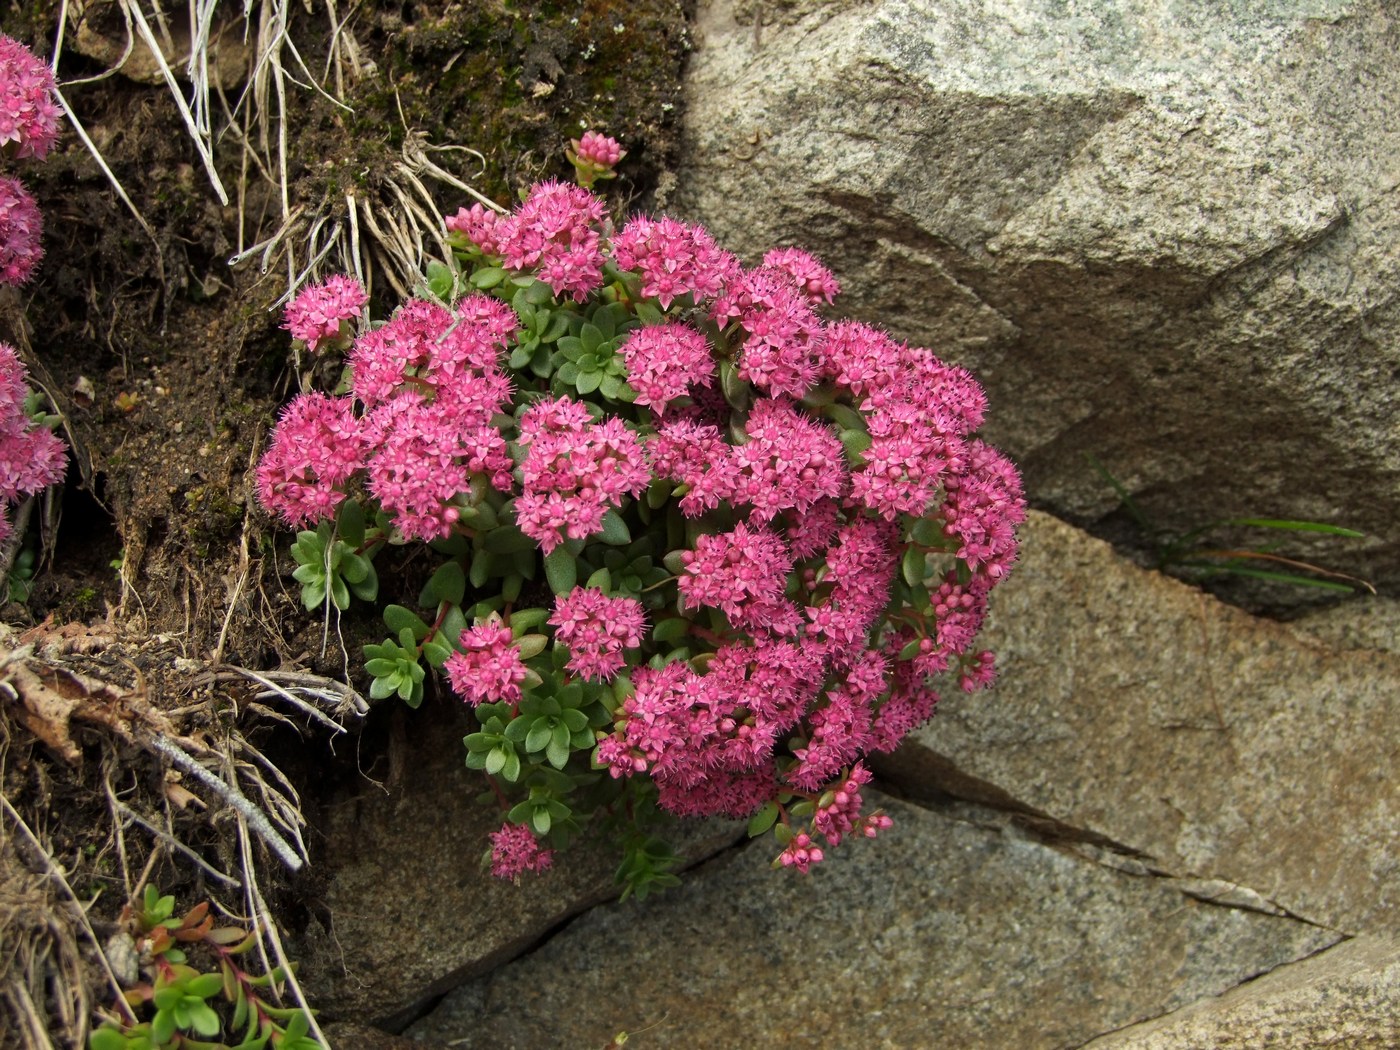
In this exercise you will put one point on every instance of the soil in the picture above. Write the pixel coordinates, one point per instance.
(169, 366)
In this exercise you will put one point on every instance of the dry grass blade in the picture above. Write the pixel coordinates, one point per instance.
(200, 136)
(63, 975)
(265, 923)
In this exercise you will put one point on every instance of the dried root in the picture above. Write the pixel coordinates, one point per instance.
(71, 695)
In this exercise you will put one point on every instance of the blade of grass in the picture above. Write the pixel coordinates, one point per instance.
(1279, 559)
(1129, 504)
(1265, 574)
(1295, 526)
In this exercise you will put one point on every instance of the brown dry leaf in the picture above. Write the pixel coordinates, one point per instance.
(43, 711)
(47, 700)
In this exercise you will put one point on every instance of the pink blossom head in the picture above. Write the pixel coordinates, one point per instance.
(28, 113)
(315, 448)
(554, 232)
(31, 461)
(489, 668)
(320, 314)
(13, 390)
(674, 259)
(515, 851)
(664, 361)
(21, 229)
(594, 155)
(813, 279)
(597, 630)
(477, 225)
(31, 457)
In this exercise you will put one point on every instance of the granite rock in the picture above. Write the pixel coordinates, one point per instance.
(408, 911)
(1214, 745)
(953, 929)
(1165, 235)
(1347, 996)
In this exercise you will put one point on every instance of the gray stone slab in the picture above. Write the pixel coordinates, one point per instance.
(408, 911)
(1347, 996)
(1219, 745)
(945, 932)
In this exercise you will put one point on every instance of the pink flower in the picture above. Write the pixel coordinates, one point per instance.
(810, 531)
(664, 360)
(840, 733)
(784, 349)
(488, 669)
(555, 232)
(695, 455)
(29, 115)
(739, 572)
(425, 454)
(841, 814)
(977, 671)
(319, 312)
(813, 279)
(31, 457)
(597, 629)
(910, 704)
(801, 853)
(477, 225)
(515, 851)
(789, 462)
(984, 507)
(598, 150)
(315, 448)
(918, 412)
(860, 358)
(21, 229)
(674, 259)
(574, 472)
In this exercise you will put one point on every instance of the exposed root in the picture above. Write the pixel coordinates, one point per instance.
(73, 691)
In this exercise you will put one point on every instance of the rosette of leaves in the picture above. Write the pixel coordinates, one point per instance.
(193, 1009)
(588, 360)
(334, 561)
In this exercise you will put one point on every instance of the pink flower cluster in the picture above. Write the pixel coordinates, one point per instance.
(31, 457)
(428, 384)
(21, 231)
(319, 314)
(28, 128)
(575, 471)
(597, 630)
(796, 479)
(28, 113)
(665, 360)
(515, 851)
(598, 149)
(554, 233)
(674, 260)
(488, 668)
(594, 155)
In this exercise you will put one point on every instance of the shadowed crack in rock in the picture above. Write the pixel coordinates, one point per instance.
(943, 788)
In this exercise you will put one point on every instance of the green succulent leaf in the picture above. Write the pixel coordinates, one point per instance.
(561, 570)
(764, 819)
(448, 584)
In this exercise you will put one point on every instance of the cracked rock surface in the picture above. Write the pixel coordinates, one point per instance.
(1218, 745)
(955, 930)
(1348, 996)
